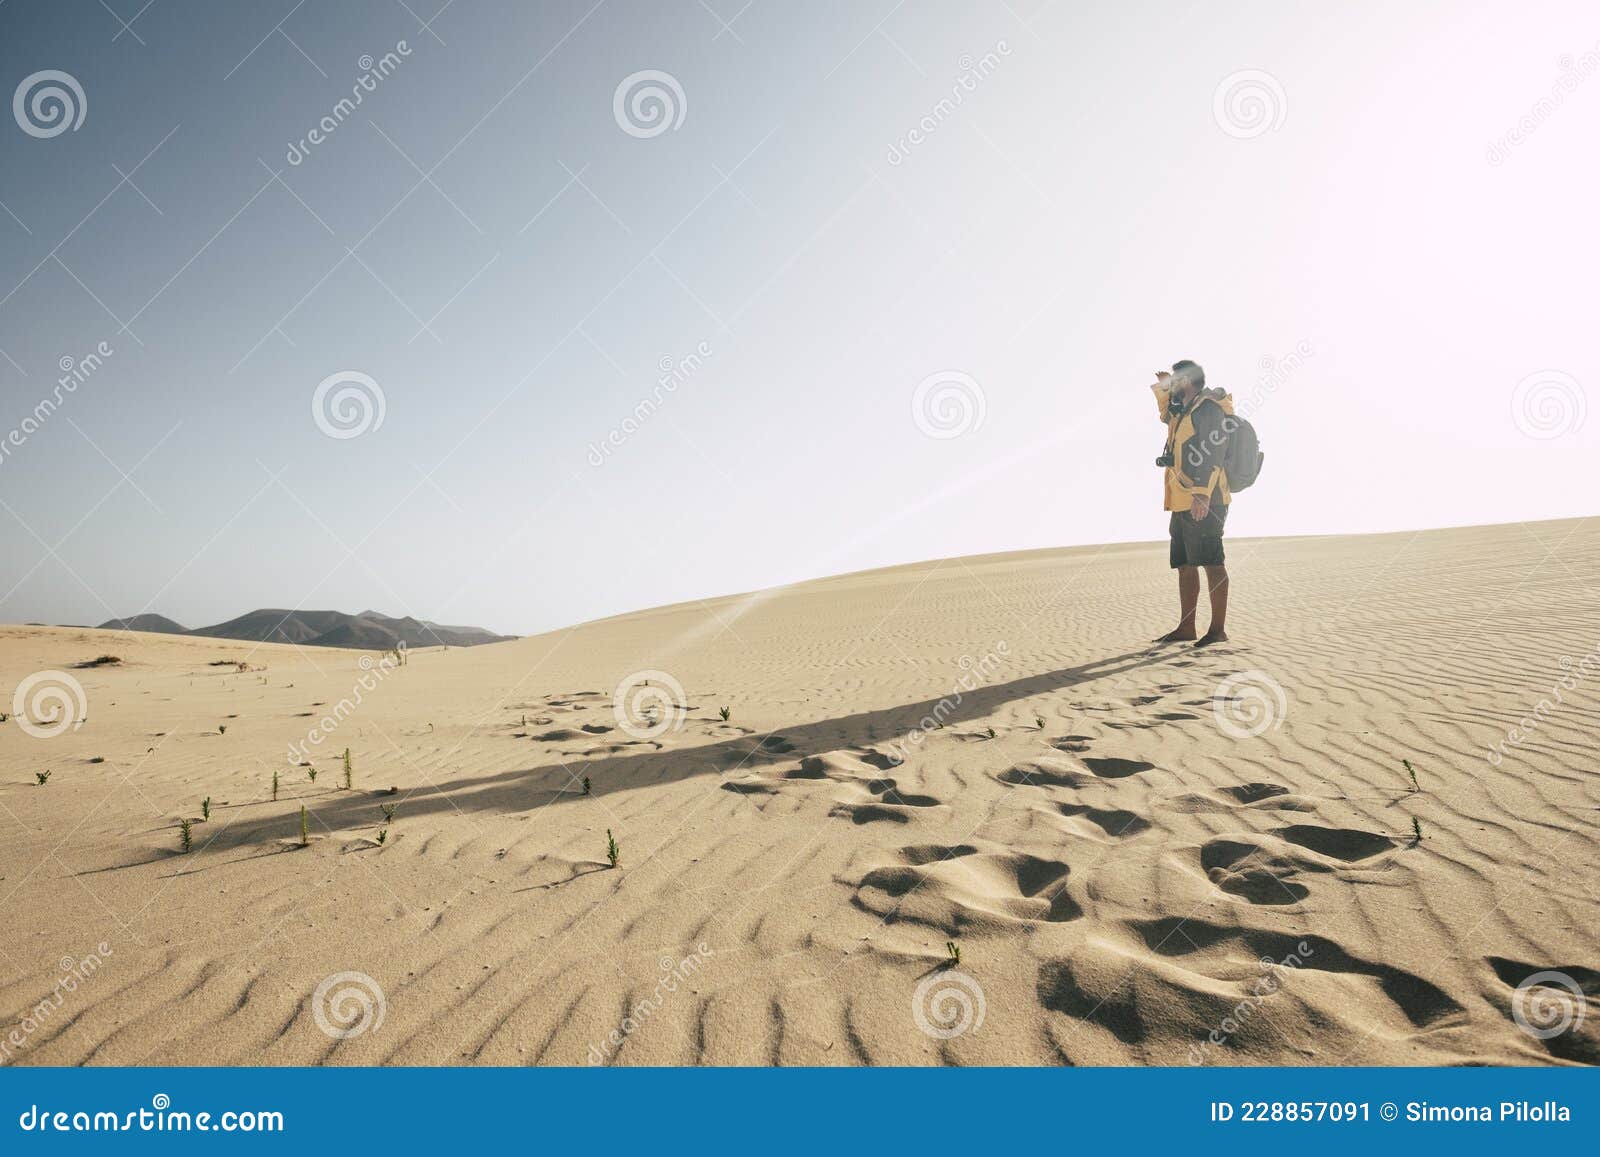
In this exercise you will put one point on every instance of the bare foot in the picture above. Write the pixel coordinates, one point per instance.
(1212, 636)
(1177, 635)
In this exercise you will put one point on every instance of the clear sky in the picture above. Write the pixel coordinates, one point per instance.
(1376, 220)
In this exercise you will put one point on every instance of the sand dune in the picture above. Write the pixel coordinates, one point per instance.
(1144, 856)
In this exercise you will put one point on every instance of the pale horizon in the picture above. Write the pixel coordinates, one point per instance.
(886, 285)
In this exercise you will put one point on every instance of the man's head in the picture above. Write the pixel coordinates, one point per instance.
(1188, 379)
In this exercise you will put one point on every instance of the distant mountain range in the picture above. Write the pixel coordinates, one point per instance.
(368, 631)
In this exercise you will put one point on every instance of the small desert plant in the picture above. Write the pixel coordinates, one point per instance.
(587, 787)
(347, 777)
(613, 853)
(205, 808)
(725, 712)
(953, 951)
(1038, 721)
(383, 834)
(97, 759)
(1416, 830)
(347, 766)
(305, 827)
(222, 729)
(991, 733)
(274, 787)
(312, 773)
(186, 835)
(41, 777)
(388, 812)
(1412, 772)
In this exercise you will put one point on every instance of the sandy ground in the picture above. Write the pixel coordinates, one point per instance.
(1144, 855)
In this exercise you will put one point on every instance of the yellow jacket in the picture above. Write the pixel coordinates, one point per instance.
(1197, 467)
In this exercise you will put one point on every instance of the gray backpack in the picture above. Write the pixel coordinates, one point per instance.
(1242, 456)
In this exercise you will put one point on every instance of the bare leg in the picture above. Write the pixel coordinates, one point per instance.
(1217, 580)
(1188, 598)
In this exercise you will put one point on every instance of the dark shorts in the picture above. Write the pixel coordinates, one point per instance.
(1198, 543)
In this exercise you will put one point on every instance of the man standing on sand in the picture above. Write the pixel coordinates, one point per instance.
(1196, 488)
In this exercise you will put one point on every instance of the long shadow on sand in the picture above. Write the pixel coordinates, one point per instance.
(557, 782)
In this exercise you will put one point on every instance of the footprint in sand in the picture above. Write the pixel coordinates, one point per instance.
(892, 804)
(1248, 793)
(891, 793)
(1115, 767)
(958, 886)
(1557, 1006)
(1116, 822)
(749, 787)
(1347, 844)
(1190, 964)
(1248, 870)
(1044, 773)
(1071, 743)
